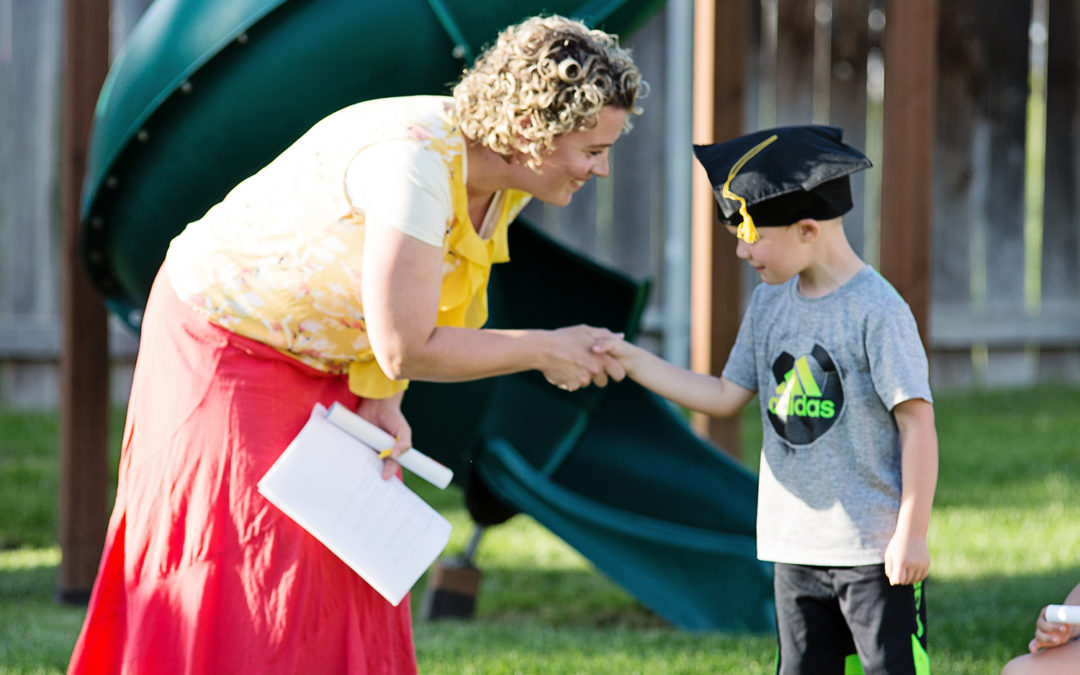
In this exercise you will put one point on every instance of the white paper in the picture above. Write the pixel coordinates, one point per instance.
(331, 484)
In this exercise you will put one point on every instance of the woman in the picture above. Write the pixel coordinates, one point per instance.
(356, 260)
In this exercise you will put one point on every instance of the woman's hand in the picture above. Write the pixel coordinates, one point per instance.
(570, 363)
(386, 414)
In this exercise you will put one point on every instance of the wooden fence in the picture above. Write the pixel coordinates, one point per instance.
(1005, 248)
(31, 39)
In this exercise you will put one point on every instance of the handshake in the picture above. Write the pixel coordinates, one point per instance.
(577, 356)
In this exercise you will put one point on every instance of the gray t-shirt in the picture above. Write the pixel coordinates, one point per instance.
(828, 372)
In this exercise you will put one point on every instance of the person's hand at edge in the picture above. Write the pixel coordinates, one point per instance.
(1049, 634)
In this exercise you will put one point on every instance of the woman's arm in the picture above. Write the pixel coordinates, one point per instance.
(401, 287)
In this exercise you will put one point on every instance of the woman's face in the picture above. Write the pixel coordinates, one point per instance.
(577, 156)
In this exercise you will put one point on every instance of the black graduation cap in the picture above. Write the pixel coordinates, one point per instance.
(776, 177)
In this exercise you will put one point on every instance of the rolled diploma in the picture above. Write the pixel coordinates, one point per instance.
(1063, 614)
(412, 459)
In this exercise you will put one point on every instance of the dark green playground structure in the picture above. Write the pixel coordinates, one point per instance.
(205, 92)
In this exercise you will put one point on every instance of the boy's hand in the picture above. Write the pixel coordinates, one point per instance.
(619, 349)
(907, 559)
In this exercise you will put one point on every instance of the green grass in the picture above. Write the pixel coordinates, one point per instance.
(1005, 540)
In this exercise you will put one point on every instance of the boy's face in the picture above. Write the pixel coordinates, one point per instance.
(777, 255)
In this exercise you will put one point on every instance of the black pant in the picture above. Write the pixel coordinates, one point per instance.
(826, 615)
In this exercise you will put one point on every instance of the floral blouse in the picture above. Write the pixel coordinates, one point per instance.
(279, 259)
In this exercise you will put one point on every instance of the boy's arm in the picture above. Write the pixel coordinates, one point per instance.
(907, 557)
(714, 396)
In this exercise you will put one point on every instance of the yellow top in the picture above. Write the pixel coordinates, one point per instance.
(279, 259)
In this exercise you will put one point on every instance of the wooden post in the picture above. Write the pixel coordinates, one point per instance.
(795, 62)
(84, 356)
(907, 171)
(720, 45)
(848, 99)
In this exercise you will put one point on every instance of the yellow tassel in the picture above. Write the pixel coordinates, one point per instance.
(746, 230)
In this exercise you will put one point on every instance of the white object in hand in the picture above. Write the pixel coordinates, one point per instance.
(412, 459)
(1063, 614)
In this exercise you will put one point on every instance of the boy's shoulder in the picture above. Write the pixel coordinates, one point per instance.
(870, 286)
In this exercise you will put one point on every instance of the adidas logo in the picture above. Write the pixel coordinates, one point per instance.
(800, 396)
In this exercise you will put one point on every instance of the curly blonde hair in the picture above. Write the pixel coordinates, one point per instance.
(544, 77)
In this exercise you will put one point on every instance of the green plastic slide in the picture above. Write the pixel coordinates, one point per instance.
(205, 92)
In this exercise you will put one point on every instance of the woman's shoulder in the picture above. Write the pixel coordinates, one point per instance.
(424, 119)
(399, 107)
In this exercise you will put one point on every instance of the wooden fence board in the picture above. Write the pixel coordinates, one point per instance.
(1060, 277)
(794, 62)
(1008, 327)
(84, 363)
(1004, 98)
(1004, 108)
(30, 79)
(848, 99)
(29, 144)
(720, 38)
(637, 192)
(1059, 365)
(956, 184)
(908, 151)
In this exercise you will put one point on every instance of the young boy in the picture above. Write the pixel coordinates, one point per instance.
(849, 456)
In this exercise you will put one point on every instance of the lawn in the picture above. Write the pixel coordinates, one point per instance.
(1005, 540)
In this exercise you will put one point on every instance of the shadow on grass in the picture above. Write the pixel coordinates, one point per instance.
(20, 580)
(486, 646)
(36, 631)
(560, 597)
(992, 616)
(975, 625)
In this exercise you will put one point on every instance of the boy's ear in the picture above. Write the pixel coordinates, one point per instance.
(808, 229)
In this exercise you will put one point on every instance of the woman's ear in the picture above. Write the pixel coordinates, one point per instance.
(518, 155)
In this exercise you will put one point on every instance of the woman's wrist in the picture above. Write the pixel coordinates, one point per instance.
(536, 345)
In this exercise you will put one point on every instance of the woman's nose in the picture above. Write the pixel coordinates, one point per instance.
(600, 166)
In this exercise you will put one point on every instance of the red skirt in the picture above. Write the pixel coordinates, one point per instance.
(200, 574)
